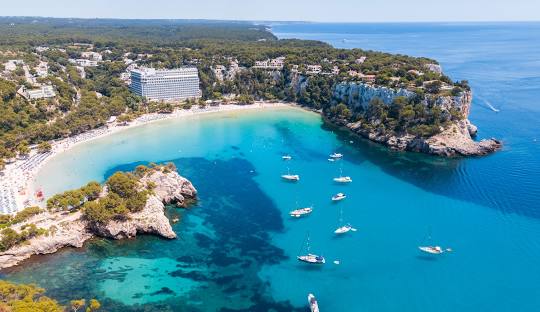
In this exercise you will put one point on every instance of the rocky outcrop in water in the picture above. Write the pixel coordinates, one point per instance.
(454, 140)
(71, 230)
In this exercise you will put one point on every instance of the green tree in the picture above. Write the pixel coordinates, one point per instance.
(44, 147)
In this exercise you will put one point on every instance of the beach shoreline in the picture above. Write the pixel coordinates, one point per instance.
(19, 176)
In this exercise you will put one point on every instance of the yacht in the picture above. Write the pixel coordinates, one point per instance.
(309, 257)
(338, 197)
(290, 177)
(434, 250)
(301, 212)
(342, 179)
(344, 229)
(312, 259)
(286, 157)
(313, 305)
(336, 155)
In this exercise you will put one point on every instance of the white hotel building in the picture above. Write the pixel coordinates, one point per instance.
(168, 84)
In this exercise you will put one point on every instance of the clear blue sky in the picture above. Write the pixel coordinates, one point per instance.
(283, 10)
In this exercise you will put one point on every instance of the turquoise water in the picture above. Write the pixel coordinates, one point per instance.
(237, 246)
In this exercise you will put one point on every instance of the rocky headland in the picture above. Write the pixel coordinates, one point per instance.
(72, 229)
(455, 138)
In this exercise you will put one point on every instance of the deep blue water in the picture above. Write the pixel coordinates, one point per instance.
(502, 63)
(237, 245)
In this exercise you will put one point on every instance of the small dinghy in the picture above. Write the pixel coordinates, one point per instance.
(338, 197)
(434, 250)
(313, 305)
(286, 157)
(336, 155)
(301, 212)
(331, 159)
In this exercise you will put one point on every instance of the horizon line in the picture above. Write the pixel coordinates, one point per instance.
(273, 21)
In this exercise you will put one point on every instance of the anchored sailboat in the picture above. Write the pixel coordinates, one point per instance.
(309, 257)
(343, 228)
(433, 249)
(290, 177)
(341, 178)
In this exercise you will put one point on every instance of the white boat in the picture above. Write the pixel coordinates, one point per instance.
(286, 157)
(343, 228)
(313, 305)
(309, 257)
(342, 179)
(291, 177)
(301, 212)
(338, 197)
(336, 155)
(434, 250)
(312, 259)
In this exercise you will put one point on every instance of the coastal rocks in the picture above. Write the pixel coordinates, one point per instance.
(453, 141)
(456, 140)
(171, 188)
(67, 229)
(150, 220)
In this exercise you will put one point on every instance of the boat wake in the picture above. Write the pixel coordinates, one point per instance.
(488, 104)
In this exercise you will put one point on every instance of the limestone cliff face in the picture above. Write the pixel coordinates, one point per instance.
(71, 230)
(455, 140)
(357, 95)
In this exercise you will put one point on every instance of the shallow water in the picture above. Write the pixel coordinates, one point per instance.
(237, 246)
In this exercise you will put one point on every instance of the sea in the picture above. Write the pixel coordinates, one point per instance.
(237, 245)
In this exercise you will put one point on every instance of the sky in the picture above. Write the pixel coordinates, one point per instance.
(283, 10)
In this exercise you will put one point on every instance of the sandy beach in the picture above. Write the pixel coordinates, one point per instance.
(16, 185)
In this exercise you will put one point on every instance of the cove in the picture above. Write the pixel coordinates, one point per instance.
(237, 246)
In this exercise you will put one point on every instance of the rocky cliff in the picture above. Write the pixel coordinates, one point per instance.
(454, 140)
(357, 95)
(71, 230)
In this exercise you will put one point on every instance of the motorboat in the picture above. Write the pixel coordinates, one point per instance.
(313, 305)
(434, 250)
(297, 213)
(286, 157)
(312, 259)
(336, 155)
(338, 197)
(342, 179)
